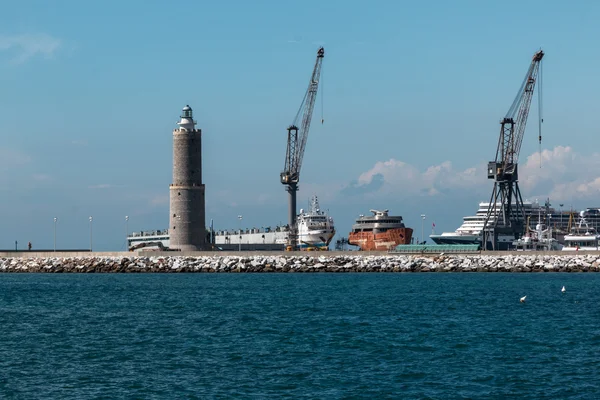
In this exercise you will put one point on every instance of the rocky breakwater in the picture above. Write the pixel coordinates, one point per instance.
(309, 263)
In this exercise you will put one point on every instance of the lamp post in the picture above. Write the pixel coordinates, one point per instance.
(91, 219)
(240, 244)
(127, 231)
(55, 219)
(422, 227)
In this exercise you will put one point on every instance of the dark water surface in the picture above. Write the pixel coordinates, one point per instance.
(300, 336)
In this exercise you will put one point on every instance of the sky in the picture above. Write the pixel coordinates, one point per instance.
(411, 96)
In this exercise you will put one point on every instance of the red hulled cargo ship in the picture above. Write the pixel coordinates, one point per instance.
(379, 232)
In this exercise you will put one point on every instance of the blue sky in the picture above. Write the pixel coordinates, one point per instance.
(413, 92)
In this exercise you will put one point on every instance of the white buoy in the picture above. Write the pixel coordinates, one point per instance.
(522, 300)
(563, 289)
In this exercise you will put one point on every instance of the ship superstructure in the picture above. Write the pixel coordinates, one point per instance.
(379, 231)
(158, 240)
(315, 228)
(253, 239)
(582, 236)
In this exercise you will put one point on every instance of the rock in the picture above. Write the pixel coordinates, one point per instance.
(308, 263)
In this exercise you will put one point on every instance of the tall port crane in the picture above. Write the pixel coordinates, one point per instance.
(296, 142)
(506, 203)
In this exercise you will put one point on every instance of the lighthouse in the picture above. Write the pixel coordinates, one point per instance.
(187, 231)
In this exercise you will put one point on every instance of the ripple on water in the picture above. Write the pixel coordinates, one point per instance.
(299, 336)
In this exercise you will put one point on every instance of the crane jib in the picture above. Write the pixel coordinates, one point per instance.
(509, 144)
(297, 137)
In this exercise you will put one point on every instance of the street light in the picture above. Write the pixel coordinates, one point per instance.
(55, 219)
(127, 231)
(240, 244)
(422, 227)
(91, 219)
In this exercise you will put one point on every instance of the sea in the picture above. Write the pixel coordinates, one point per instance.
(297, 336)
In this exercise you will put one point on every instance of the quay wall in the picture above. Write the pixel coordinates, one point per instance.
(236, 262)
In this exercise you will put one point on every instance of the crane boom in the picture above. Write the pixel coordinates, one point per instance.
(297, 137)
(296, 142)
(506, 214)
(509, 144)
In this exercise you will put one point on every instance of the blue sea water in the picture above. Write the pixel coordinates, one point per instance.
(325, 336)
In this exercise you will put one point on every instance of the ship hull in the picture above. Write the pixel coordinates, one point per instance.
(318, 239)
(455, 239)
(369, 241)
(504, 242)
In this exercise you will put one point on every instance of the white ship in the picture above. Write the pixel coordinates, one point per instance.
(315, 228)
(315, 232)
(539, 239)
(582, 236)
(470, 232)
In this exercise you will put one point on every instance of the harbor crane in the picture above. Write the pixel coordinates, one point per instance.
(506, 214)
(296, 143)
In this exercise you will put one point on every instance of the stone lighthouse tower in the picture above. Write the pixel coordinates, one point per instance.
(187, 229)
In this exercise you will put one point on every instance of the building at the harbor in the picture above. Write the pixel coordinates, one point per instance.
(187, 217)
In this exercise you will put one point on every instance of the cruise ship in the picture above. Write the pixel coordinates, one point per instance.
(470, 231)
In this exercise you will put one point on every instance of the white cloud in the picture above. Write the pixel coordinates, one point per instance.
(397, 177)
(26, 46)
(564, 176)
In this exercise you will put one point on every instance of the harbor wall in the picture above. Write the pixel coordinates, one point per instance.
(141, 253)
(87, 253)
(299, 262)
